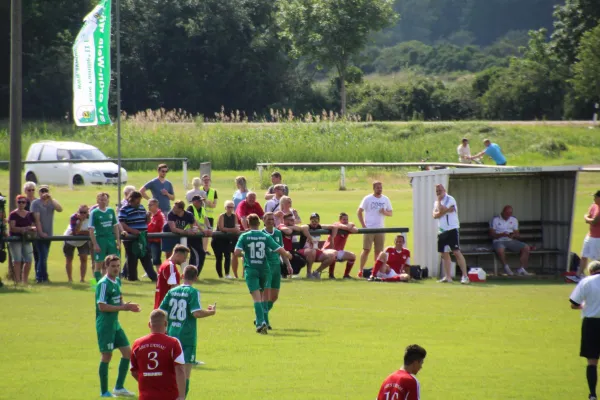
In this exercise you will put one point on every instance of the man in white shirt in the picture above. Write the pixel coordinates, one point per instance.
(375, 208)
(504, 229)
(273, 204)
(586, 297)
(446, 212)
(464, 152)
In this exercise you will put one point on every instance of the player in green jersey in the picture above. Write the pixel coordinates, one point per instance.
(110, 334)
(271, 293)
(182, 304)
(255, 244)
(104, 233)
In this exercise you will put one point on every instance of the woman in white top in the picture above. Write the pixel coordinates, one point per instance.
(196, 191)
(285, 207)
(242, 191)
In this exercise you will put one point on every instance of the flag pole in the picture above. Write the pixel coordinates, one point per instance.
(118, 39)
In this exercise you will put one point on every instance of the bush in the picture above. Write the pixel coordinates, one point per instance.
(550, 148)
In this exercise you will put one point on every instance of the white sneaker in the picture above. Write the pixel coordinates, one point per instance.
(123, 393)
(508, 270)
(521, 271)
(229, 277)
(199, 362)
(144, 276)
(465, 280)
(445, 280)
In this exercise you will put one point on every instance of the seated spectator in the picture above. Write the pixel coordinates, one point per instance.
(311, 251)
(504, 229)
(285, 207)
(273, 204)
(242, 191)
(393, 264)
(247, 207)
(275, 180)
(78, 226)
(288, 228)
(21, 222)
(196, 191)
(223, 246)
(338, 243)
(157, 221)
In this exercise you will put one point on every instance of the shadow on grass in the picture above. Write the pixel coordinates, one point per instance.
(11, 289)
(300, 333)
(213, 281)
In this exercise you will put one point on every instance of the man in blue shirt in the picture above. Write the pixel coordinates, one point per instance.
(161, 188)
(493, 151)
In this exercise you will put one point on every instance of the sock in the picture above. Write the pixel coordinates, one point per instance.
(260, 314)
(376, 268)
(270, 305)
(592, 377)
(266, 311)
(349, 266)
(332, 269)
(97, 275)
(187, 387)
(123, 370)
(103, 372)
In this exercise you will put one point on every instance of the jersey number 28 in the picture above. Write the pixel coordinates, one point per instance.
(178, 309)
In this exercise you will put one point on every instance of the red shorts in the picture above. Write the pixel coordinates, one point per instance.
(318, 254)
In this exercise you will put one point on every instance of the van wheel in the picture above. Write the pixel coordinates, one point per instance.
(77, 180)
(30, 177)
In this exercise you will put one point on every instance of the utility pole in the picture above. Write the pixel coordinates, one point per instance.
(16, 99)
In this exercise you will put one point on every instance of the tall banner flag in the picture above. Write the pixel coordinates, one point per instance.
(91, 68)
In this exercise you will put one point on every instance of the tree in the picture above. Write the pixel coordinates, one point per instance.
(571, 21)
(330, 32)
(586, 78)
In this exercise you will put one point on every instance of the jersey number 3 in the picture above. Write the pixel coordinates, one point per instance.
(178, 309)
(152, 361)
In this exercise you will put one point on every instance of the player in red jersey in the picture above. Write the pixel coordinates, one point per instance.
(393, 264)
(403, 384)
(168, 274)
(157, 362)
(338, 243)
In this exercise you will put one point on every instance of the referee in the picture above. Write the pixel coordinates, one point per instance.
(586, 297)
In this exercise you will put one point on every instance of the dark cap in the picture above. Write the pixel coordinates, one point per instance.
(197, 197)
(314, 215)
(597, 194)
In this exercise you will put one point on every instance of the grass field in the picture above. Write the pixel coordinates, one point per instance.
(331, 340)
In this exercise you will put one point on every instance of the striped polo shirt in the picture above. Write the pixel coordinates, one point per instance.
(134, 217)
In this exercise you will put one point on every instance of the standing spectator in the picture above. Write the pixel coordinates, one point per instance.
(43, 212)
(196, 191)
(133, 220)
(586, 297)
(157, 221)
(162, 190)
(276, 180)
(403, 384)
(446, 212)
(242, 191)
(183, 223)
(127, 190)
(591, 243)
(210, 202)
(223, 246)
(78, 226)
(104, 234)
(197, 244)
(273, 204)
(338, 243)
(247, 207)
(493, 151)
(21, 223)
(464, 152)
(285, 208)
(29, 191)
(371, 213)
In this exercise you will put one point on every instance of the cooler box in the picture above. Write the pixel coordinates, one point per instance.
(477, 275)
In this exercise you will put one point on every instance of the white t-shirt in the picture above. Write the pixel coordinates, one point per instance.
(372, 205)
(463, 152)
(587, 293)
(500, 225)
(272, 205)
(450, 220)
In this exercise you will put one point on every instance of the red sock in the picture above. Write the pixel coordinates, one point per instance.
(378, 265)
(349, 266)
(332, 268)
(394, 279)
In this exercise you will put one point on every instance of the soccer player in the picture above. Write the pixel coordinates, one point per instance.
(157, 362)
(403, 384)
(255, 244)
(338, 243)
(271, 293)
(168, 274)
(591, 243)
(104, 233)
(182, 305)
(110, 334)
(393, 264)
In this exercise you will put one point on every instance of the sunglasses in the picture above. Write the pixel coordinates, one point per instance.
(21, 202)
(44, 191)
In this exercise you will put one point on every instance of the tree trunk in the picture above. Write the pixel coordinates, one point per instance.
(343, 92)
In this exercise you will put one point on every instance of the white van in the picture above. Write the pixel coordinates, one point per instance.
(60, 173)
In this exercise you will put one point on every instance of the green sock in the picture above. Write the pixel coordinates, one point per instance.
(123, 369)
(187, 387)
(260, 315)
(265, 305)
(97, 275)
(103, 371)
(270, 305)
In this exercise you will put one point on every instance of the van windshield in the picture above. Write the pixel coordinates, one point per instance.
(93, 154)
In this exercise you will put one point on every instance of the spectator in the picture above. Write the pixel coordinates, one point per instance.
(104, 234)
(285, 208)
(157, 221)
(464, 152)
(493, 151)
(127, 190)
(288, 228)
(210, 202)
(196, 191)
(196, 244)
(133, 220)
(183, 223)
(223, 246)
(393, 264)
(43, 212)
(247, 207)
(242, 191)
(29, 191)
(78, 226)
(21, 223)
(276, 180)
(591, 243)
(375, 208)
(162, 190)
(505, 231)
(338, 243)
(311, 251)
(273, 204)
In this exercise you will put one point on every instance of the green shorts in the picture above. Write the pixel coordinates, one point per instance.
(257, 279)
(189, 354)
(275, 281)
(107, 247)
(111, 339)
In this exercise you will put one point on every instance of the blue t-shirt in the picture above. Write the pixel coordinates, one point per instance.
(493, 150)
(155, 186)
(238, 197)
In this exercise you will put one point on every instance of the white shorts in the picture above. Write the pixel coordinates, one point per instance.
(390, 274)
(340, 255)
(591, 248)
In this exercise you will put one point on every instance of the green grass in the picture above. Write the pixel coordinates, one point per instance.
(332, 340)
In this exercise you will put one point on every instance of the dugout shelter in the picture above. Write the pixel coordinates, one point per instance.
(543, 200)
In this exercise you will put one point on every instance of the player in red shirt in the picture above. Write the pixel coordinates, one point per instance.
(393, 264)
(338, 243)
(168, 274)
(403, 384)
(157, 362)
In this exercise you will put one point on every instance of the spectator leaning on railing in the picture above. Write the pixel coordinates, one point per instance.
(21, 223)
(43, 212)
(247, 207)
(157, 221)
(224, 246)
(210, 202)
(78, 226)
(196, 244)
